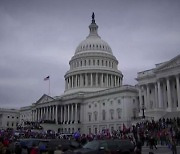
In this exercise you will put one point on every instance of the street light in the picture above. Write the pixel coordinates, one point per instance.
(143, 108)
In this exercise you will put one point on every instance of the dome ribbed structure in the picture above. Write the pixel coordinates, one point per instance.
(93, 42)
(93, 66)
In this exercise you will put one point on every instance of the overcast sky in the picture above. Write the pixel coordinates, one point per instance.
(39, 37)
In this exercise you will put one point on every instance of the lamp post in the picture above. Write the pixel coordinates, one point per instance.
(143, 108)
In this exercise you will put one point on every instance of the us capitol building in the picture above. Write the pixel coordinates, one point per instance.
(95, 98)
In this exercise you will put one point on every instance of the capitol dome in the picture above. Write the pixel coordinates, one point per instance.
(93, 66)
(93, 42)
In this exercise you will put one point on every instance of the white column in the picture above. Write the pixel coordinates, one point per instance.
(115, 81)
(32, 114)
(61, 113)
(118, 81)
(68, 113)
(72, 114)
(53, 112)
(159, 95)
(72, 81)
(148, 97)
(76, 113)
(107, 80)
(140, 99)
(86, 79)
(81, 80)
(102, 84)
(39, 114)
(64, 113)
(91, 80)
(67, 83)
(56, 107)
(76, 81)
(169, 94)
(145, 97)
(96, 79)
(178, 90)
(156, 95)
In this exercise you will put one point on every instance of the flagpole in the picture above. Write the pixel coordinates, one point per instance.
(49, 87)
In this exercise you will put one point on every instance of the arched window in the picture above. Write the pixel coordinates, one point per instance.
(97, 62)
(89, 116)
(112, 114)
(95, 116)
(119, 113)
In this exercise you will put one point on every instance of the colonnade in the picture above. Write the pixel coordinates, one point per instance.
(63, 114)
(93, 79)
(162, 94)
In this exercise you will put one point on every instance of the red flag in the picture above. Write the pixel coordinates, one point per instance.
(47, 78)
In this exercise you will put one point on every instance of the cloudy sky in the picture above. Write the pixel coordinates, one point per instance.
(39, 37)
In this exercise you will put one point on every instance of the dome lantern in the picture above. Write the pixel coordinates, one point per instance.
(93, 27)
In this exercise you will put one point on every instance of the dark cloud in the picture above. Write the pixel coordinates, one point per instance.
(38, 38)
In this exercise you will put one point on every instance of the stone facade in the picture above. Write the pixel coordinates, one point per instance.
(9, 118)
(159, 89)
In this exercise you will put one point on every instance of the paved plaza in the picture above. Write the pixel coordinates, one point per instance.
(159, 150)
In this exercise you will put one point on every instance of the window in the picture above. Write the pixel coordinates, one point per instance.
(89, 130)
(93, 62)
(134, 112)
(95, 130)
(89, 62)
(89, 115)
(7, 124)
(119, 101)
(119, 112)
(112, 114)
(97, 62)
(103, 115)
(89, 106)
(95, 116)
(8, 116)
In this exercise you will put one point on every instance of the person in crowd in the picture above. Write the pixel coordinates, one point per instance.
(34, 149)
(152, 142)
(2, 147)
(173, 146)
(138, 147)
(59, 150)
(18, 149)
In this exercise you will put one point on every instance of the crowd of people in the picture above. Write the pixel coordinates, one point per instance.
(164, 132)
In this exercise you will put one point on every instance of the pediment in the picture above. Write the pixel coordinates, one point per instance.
(169, 64)
(44, 98)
